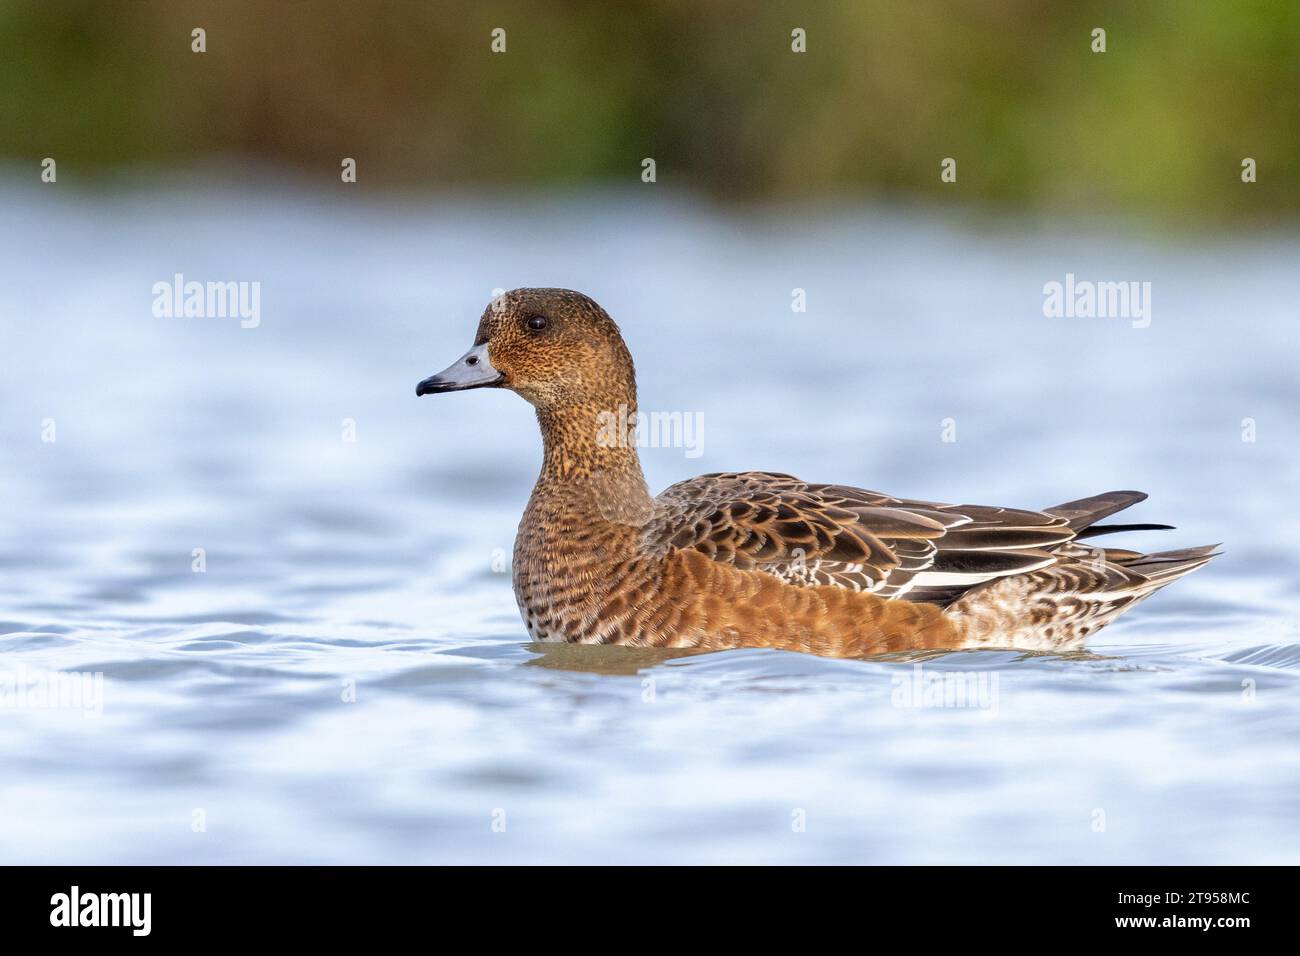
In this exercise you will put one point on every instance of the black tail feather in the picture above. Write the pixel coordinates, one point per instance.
(1093, 531)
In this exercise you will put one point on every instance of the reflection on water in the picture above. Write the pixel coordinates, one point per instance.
(343, 677)
(588, 659)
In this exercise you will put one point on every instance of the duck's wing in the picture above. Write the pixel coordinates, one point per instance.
(816, 534)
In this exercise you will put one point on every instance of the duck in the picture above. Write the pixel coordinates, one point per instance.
(765, 559)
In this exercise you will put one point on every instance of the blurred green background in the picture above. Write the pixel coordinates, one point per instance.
(1155, 128)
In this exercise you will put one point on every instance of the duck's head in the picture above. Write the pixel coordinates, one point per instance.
(554, 347)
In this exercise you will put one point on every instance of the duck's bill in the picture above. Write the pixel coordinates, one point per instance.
(471, 370)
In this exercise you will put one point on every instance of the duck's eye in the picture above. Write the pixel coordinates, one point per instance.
(537, 323)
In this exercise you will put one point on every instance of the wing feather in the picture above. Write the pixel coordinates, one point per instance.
(825, 534)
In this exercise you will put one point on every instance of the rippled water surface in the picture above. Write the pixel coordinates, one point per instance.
(348, 682)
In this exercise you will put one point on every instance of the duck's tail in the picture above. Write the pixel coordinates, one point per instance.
(1057, 607)
(1163, 567)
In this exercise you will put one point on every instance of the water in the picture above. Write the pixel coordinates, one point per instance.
(377, 569)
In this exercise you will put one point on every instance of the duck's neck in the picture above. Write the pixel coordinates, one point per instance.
(590, 452)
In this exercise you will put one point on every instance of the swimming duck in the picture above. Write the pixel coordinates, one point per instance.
(759, 559)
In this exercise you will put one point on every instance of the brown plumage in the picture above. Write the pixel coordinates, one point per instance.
(765, 560)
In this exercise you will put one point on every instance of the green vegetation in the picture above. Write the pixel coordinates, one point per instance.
(1157, 126)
